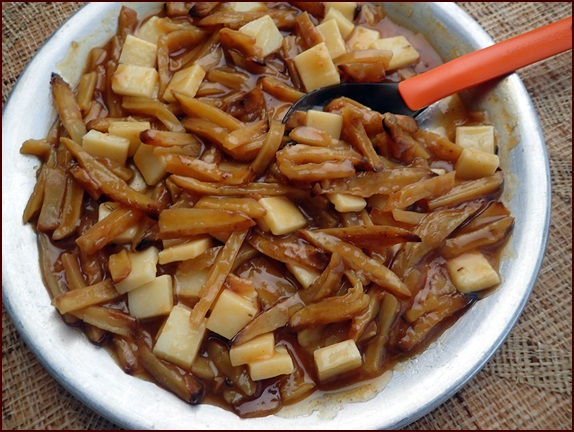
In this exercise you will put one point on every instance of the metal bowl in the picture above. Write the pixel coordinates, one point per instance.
(398, 398)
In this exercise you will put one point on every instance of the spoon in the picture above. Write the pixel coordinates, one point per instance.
(413, 95)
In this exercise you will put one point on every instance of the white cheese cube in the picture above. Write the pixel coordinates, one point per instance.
(346, 8)
(305, 276)
(404, 53)
(476, 137)
(143, 270)
(316, 68)
(104, 209)
(179, 340)
(151, 166)
(282, 215)
(153, 29)
(472, 272)
(246, 6)
(130, 130)
(346, 26)
(138, 52)
(185, 251)
(258, 348)
(474, 164)
(337, 359)
(329, 122)
(230, 314)
(189, 283)
(152, 299)
(333, 38)
(362, 38)
(280, 363)
(267, 35)
(104, 145)
(345, 203)
(186, 81)
(131, 80)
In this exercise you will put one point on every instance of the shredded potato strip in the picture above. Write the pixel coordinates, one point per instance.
(425, 189)
(433, 229)
(252, 189)
(217, 275)
(332, 309)
(109, 319)
(181, 222)
(375, 353)
(110, 184)
(289, 249)
(106, 230)
(81, 298)
(358, 261)
(197, 108)
(367, 183)
(184, 385)
(71, 209)
(154, 108)
(68, 109)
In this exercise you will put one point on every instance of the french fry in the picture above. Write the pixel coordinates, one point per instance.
(372, 237)
(332, 309)
(238, 375)
(186, 386)
(192, 167)
(243, 136)
(34, 204)
(190, 222)
(489, 234)
(217, 275)
(68, 109)
(313, 172)
(40, 148)
(266, 154)
(375, 353)
(280, 90)
(109, 319)
(248, 206)
(271, 319)
(71, 209)
(251, 189)
(357, 260)
(106, 230)
(367, 183)
(54, 188)
(306, 30)
(80, 298)
(154, 108)
(288, 249)
(355, 133)
(109, 184)
(425, 189)
(468, 190)
(171, 139)
(196, 108)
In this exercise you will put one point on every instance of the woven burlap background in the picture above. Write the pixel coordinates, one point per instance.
(526, 385)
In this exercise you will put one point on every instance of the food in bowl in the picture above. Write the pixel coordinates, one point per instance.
(240, 260)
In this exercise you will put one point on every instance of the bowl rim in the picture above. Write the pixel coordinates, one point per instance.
(48, 329)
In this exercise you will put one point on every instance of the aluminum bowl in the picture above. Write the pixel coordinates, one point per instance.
(400, 397)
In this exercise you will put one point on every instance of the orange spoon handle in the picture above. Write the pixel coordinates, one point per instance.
(486, 64)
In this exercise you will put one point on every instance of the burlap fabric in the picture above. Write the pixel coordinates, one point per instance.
(526, 385)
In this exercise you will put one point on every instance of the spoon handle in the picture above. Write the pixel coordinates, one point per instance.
(487, 63)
